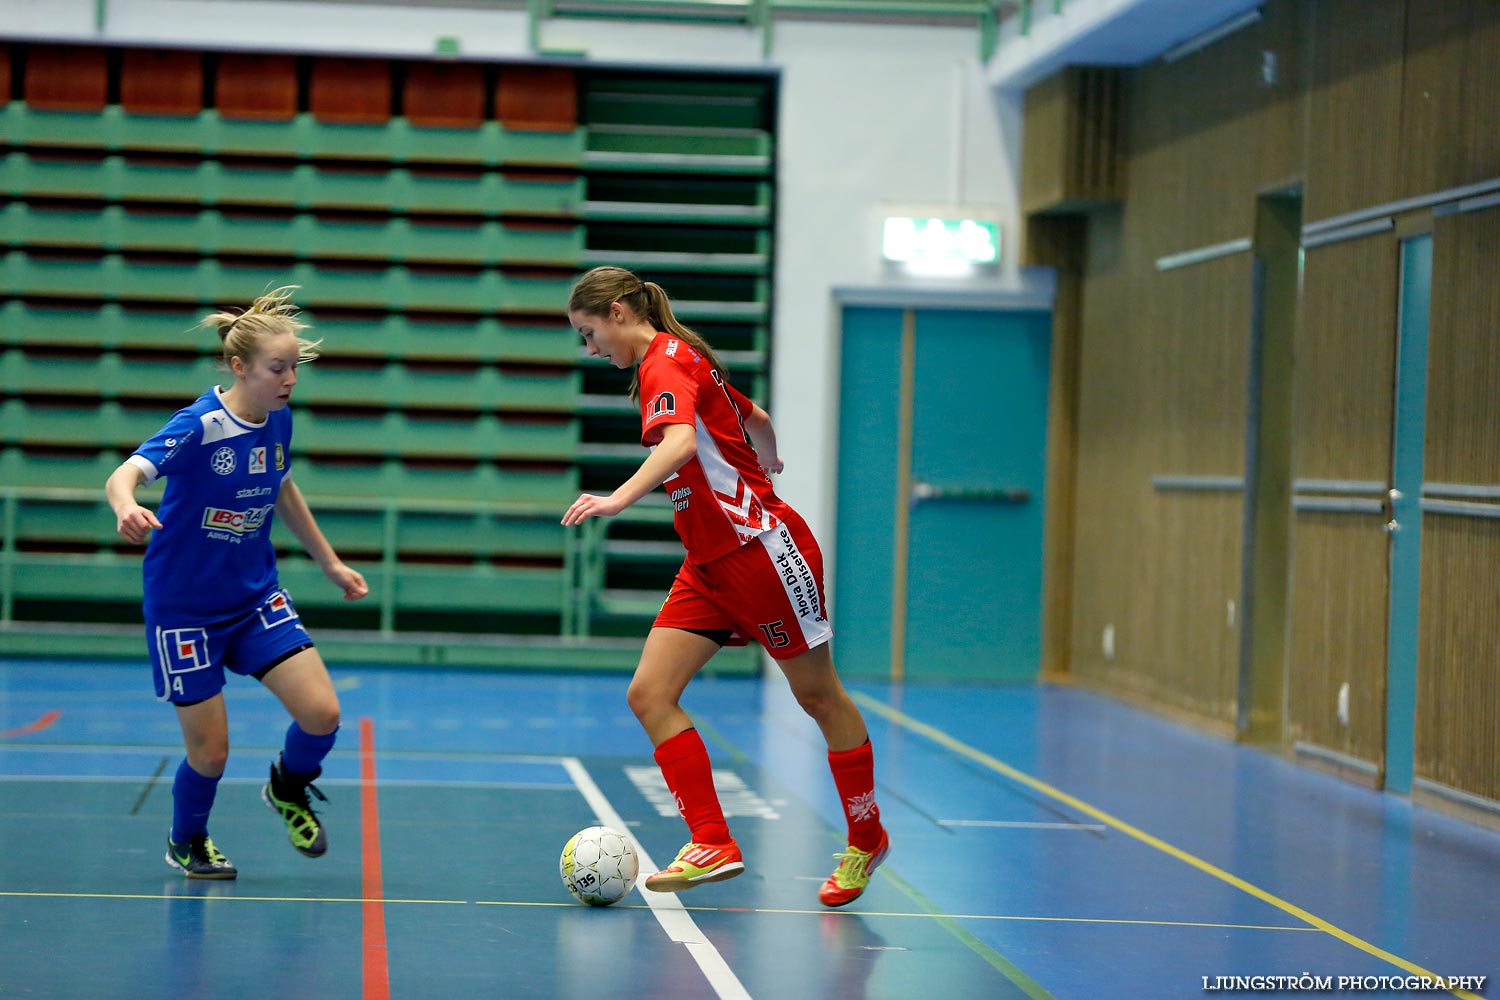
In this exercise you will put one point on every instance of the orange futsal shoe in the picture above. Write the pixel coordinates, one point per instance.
(853, 873)
(696, 864)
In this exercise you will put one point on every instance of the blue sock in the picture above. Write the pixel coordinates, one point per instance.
(304, 752)
(192, 800)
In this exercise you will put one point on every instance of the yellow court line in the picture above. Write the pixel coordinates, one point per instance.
(1000, 767)
(1017, 917)
(642, 906)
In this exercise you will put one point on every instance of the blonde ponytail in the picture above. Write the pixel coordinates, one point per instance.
(270, 315)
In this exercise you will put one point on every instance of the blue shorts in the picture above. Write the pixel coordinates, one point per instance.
(188, 662)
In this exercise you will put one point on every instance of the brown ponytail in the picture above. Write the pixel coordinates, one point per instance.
(601, 286)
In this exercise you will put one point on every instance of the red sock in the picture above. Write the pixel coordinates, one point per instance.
(683, 760)
(854, 774)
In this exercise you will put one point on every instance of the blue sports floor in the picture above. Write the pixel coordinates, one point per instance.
(1047, 842)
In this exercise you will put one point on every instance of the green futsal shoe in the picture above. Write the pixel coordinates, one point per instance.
(286, 794)
(199, 858)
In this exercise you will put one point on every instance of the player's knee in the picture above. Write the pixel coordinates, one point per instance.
(822, 705)
(209, 758)
(321, 719)
(645, 700)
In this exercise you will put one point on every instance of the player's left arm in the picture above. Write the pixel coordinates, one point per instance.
(292, 508)
(762, 435)
(679, 443)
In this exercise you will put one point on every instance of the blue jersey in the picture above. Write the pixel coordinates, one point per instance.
(212, 558)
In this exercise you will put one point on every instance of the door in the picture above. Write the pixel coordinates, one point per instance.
(1405, 524)
(942, 460)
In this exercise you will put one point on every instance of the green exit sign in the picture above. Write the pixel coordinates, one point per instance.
(941, 241)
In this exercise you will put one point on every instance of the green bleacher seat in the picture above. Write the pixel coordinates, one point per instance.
(41, 467)
(304, 137)
(457, 481)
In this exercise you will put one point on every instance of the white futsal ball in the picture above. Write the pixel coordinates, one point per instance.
(598, 866)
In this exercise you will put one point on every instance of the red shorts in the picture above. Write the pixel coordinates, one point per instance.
(769, 590)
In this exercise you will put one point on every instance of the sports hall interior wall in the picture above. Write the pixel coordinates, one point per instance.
(435, 214)
(1321, 111)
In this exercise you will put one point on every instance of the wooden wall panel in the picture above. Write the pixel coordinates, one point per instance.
(1451, 83)
(1071, 159)
(161, 83)
(1342, 413)
(537, 98)
(1048, 116)
(256, 86)
(444, 95)
(1354, 105)
(1463, 353)
(1458, 682)
(67, 78)
(1345, 367)
(4, 75)
(1458, 677)
(350, 91)
(1338, 613)
(1162, 392)
(1208, 132)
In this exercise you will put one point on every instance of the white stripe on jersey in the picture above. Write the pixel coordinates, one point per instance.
(800, 585)
(734, 495)
(218, 425)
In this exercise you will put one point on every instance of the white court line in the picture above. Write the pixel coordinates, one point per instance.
(668, 909)
(1020, 825)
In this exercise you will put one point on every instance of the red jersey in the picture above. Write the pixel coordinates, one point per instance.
(722, 498)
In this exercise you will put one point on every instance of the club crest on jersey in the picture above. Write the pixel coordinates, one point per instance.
(223, 461)
(280, 458)
(258, 460)
(663, 404)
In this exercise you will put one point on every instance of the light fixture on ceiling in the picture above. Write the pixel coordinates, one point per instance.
(1210, 36)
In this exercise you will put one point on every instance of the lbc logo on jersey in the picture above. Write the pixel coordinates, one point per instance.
(257, 461)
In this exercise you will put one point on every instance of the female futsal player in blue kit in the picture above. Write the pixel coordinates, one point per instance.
(212, 599)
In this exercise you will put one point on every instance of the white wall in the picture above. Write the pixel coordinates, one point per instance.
(873, 117)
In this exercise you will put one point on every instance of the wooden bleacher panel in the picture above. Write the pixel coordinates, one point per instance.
(256, 86)
(161, 82)
(444, 95)
(67, 78)
(350, 91)
(537, 98)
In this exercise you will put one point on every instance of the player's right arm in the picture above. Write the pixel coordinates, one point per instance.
(132, 521)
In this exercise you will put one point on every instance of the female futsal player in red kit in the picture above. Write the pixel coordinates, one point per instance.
(753, 571)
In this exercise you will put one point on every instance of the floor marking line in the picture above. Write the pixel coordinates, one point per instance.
(1014, 917)
(32, 727)
(212, 896)
(377, 977)
(999, 766)
(959, 933)
(161, 766)
(666, 907)
(643, 906)
(1018, 824)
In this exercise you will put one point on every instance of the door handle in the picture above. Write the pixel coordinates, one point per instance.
(923, 492)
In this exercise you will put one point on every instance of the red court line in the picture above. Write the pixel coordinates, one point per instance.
(376, 970)
(34, 727)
